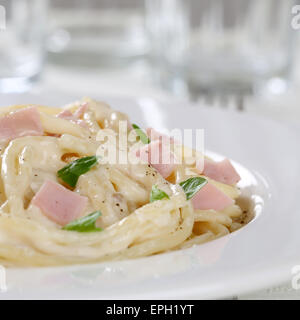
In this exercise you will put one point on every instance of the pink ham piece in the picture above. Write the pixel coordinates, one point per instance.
(210, 197)
(222, 171)
(81, 110)
(25, 122)
(160, 157)
(66, 114)
(75, 118)
(58, 203)
(156, 135)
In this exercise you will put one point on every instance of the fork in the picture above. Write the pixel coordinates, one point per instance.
(230, 102)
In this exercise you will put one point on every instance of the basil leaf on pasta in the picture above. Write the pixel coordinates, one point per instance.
(71, 173)
(157, 194)
(192, 185)
(144, 138)
(84, 224)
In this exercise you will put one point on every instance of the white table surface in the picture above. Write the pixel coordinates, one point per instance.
(136, 81)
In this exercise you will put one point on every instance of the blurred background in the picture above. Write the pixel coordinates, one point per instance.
(236, 54)
(229, 54)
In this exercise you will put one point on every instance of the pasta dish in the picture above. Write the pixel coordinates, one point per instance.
(62, 202)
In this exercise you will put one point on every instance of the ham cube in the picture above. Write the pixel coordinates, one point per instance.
(58, 203)
(156, 135)
(210, 197)
(75, 118)
(66, 114)
(222, 171)
(159, 156)
(81, 110)
(25, 122)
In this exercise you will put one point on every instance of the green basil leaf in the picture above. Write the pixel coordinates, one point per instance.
(84, 224)
(144, 138)
(71, 173)
(192, 185)
(157, 194)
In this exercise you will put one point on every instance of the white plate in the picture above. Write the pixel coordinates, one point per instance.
(259, 255)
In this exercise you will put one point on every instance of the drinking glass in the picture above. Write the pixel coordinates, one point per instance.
(236, 46)
(97, 32)
(22, 52)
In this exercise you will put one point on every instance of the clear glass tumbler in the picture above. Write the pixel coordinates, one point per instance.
(22, 36)
(94, 33)
(236, 46)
